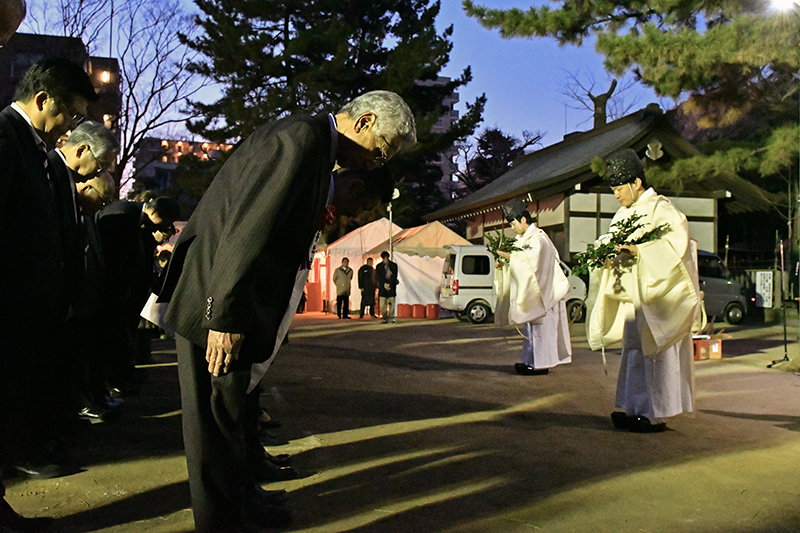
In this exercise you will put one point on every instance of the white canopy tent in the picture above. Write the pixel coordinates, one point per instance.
(353, 246)
(419, 253)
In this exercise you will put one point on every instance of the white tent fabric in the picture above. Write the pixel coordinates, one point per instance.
(419, 253)
(353, 246)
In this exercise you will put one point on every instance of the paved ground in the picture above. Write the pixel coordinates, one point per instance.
(422, 426)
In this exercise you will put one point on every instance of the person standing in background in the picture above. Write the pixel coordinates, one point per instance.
(367, 283)
(342, 278)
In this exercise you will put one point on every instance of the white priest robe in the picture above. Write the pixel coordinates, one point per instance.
(531, 290)
(650, 306)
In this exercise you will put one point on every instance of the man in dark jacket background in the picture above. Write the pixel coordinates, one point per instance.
(386, 274)
(367, 283)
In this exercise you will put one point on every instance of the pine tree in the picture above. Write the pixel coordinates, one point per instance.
(734, 64)
(275, 57)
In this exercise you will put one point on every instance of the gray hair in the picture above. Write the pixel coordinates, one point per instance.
(393, 117)
(97, 137)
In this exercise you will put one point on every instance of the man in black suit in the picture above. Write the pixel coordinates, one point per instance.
(129, 234)
(49, 100)
(386, 275)
(233, 275)
(85, 156)
(367, 283)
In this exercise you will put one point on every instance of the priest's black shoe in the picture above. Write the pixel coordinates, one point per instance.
(12, 522)
(528, 370)
(621, 419)
(640, 424)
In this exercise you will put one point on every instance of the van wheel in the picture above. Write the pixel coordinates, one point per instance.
(734, 313)
(459, 315)
(477, 313)
(576, 311)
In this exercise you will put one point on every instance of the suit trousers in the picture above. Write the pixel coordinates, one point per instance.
(343, 305)
(387, 306)
(214, 416)
(368, 300)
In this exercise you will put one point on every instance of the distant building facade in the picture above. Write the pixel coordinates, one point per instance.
(445, 161)
(157, 159)
(25, 49)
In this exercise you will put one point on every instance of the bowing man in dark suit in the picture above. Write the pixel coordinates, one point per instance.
(50, 99)
(129, 234)
(233, 273)
(87, 153)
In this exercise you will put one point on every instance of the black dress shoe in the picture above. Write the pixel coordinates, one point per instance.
(45, 471)
(266, 471)
(271, 423)
(283, 459)
(620, 419)
(97, 414)
(272, 497)
(640, 424)
(528, 370)
(268, 439)
(12, 522)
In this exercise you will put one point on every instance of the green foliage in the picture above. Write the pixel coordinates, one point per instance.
(276, 57)
(715, 49)
(621, 233)
(500, 243)
(737, 63)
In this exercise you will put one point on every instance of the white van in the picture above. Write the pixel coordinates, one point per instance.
(467, 285)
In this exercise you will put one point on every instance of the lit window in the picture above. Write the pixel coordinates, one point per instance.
(105, 76)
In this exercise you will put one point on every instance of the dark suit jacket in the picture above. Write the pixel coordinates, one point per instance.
(366, 278)
(128, 251)
(71, 226)
(234, 265)
(380, 276)
(32, 271)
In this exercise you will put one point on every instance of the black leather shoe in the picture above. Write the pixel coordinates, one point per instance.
(12, 522)
(640, 424)
(45, 471)
(272, 497)
(528, 370)
(267, 471)
(620, 419)
(98, 414)
(283, 459)
(268, 439)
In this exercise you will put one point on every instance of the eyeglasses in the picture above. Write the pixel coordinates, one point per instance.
(101, 166)
(166, 229)
(77, 117)
(104, 200)
(383, 148)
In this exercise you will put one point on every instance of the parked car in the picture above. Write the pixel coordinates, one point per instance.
(467, 285)
(723, 296)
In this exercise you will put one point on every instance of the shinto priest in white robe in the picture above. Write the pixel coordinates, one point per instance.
(531, 291)
(650, 306)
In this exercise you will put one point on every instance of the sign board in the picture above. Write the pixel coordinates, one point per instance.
(764, 289)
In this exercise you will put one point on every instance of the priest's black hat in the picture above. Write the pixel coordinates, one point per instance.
(513, 209)
(624, 167)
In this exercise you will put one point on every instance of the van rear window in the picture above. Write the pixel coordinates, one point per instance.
(475, 264)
